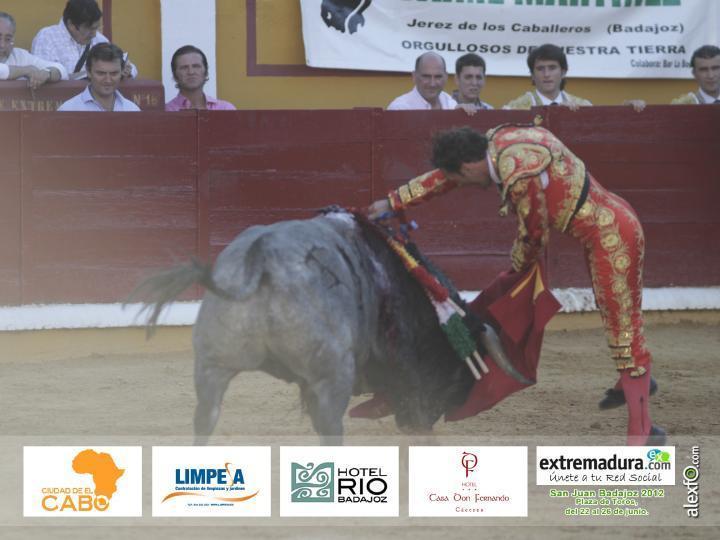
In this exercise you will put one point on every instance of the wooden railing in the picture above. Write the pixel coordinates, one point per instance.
(92, 203)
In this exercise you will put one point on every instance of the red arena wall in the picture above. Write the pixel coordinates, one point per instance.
(92, 203)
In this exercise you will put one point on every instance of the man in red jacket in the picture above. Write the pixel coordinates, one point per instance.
(546, 185)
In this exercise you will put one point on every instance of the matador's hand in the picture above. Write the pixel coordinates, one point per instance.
(378, 209)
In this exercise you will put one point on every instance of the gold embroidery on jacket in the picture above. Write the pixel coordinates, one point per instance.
(507, 166)
(604, 217)
(405, 195)
(585, 210)
(521, 160)
(417, 190)
(524, 249)
(574, 179)
(523, 208)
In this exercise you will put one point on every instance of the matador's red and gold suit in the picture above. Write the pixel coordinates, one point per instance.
(546, 185)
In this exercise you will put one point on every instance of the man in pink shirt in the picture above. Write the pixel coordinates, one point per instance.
(190, 71)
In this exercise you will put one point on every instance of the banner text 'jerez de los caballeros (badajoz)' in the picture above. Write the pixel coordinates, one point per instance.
(601, 38)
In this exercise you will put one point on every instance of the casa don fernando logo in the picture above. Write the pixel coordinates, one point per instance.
(469, 461)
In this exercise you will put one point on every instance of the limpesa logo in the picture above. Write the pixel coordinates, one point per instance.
(225, 484)
(232, 481)
(327, 483)
(82, 498)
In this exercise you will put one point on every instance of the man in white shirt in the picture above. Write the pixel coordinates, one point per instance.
(104, 68)
(69, 42)
(705, 63)
(430, 76)
(17, 63)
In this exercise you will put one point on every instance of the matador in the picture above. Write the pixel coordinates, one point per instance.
(546, 185)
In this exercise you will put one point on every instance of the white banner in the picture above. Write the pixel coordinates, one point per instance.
(602, 38)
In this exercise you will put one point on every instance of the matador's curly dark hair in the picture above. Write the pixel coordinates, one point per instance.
(454, 147)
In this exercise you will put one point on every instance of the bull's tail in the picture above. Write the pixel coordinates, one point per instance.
(157, 291)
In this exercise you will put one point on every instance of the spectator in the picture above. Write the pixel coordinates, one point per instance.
(17, 63)
(470, 79)
(104, 68)
(69, 42)
(548, 67)
(190, 70)
(430, 76)
(705, 63)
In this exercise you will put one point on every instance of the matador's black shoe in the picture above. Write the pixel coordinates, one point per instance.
(615, 398)
(657, 437)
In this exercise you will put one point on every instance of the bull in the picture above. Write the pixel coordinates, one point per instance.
(324, 303)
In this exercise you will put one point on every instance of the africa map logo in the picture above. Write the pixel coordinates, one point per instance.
(105, 475)
(77, 481)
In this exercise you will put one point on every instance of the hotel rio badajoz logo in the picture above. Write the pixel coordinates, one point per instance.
(82, 481)
(339, 481)
(211, 481)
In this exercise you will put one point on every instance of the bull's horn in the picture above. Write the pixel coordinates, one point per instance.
(491, 341)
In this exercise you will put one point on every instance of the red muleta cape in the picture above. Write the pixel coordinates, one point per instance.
(519, 305)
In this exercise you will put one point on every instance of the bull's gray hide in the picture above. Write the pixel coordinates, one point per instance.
(325, 303)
